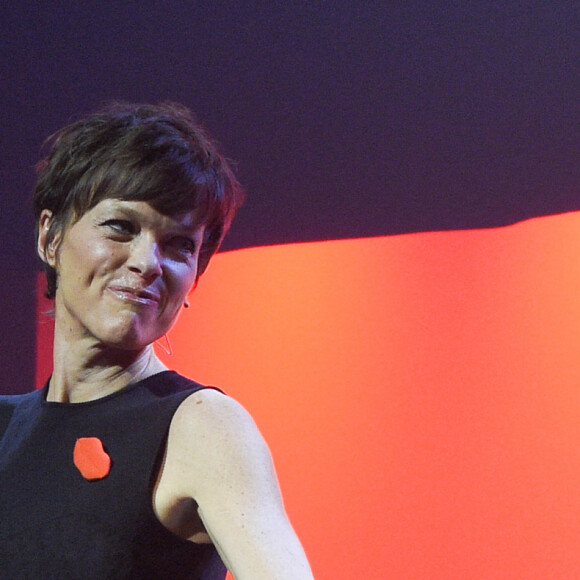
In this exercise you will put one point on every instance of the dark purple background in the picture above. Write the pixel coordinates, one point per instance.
(346, 118)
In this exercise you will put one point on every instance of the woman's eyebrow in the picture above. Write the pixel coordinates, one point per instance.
(127, 211)
(118, 209)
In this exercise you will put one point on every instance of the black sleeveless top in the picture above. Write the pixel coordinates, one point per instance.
(57, 524)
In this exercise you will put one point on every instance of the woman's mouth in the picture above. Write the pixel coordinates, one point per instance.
(131, 295)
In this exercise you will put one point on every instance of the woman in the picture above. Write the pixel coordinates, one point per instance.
(120, 468)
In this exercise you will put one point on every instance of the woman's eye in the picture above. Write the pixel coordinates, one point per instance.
(184, 246)
(123, 227)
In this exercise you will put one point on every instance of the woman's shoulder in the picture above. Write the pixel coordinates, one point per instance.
(213, 429)
(13, 401)
(168, 383)
(209, 409)
(26, 401)
(9, 404)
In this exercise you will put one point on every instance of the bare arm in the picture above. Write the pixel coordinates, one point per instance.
(226, 467)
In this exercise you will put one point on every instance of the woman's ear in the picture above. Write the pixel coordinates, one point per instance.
(47, 254)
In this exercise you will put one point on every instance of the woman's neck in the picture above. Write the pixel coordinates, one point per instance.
(86, 372)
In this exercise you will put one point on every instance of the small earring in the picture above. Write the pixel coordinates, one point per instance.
(186, 304)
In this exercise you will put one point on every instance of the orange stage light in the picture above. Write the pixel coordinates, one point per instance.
(419, 393)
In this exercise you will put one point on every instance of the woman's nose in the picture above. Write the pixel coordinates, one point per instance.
(145, 258)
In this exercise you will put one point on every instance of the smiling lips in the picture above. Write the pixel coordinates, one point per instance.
(134, 295)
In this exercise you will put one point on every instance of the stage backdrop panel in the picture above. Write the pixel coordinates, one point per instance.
(420, 394)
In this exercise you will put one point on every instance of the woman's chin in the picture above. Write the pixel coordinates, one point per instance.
(128, 339)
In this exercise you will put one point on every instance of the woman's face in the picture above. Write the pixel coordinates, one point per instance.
(124, 271)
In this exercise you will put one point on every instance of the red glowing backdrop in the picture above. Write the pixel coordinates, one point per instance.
(420, 394)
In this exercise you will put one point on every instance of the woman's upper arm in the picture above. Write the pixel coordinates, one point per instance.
(227, 469)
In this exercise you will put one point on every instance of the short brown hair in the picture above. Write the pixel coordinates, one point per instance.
(153, 153)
